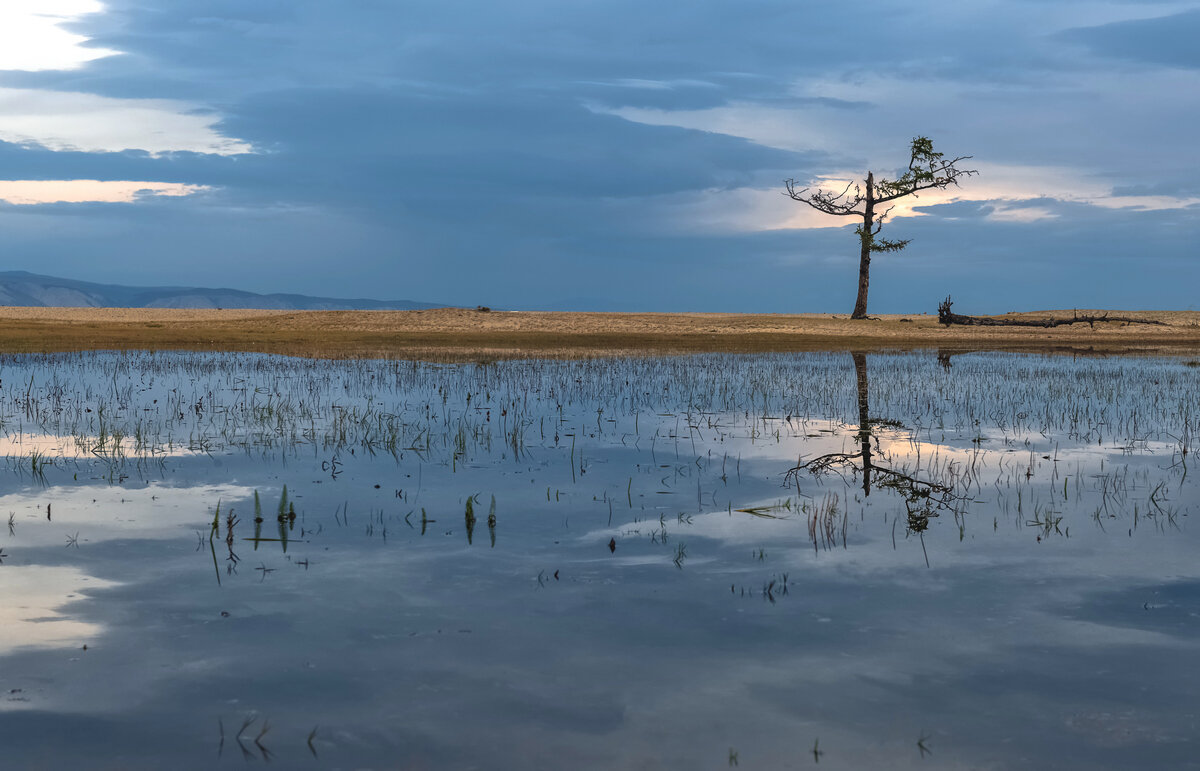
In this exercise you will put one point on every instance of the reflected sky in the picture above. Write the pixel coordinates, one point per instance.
(51, 446)
(33, 617)
(653, 591)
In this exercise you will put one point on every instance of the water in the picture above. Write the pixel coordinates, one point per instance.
(1014, 583)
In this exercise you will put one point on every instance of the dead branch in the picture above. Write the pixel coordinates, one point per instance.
(906, 485)
(922, 499)
(827, 202)
(948, 317)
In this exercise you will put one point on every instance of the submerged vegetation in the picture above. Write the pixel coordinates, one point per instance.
(138, 408)
(936, 435)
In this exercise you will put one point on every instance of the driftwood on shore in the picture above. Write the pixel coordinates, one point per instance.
(948, 317)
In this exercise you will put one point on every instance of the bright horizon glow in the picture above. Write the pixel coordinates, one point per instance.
(1011, 192)
(1001, 186)
(32, 38)
(28, 192)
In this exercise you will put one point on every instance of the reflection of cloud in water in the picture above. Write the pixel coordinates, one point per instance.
(107, 513)
(736, 529)
(31, 608)
(902, 447)
(795, 437)
(54, 446)
(31, 615)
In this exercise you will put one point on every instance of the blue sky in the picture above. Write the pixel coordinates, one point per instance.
(602, 154)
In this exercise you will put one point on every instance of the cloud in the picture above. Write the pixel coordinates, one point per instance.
(33, 37)
(61, 120)
(1168, 40)
(1020, 212)
(473, 152)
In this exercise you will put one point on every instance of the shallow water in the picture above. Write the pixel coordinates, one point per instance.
(1014, 584)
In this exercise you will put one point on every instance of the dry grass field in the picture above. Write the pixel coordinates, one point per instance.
(453, 334)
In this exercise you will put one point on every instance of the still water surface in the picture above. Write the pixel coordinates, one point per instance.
(995, 564)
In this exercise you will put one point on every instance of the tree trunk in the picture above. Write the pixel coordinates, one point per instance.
(864, 259)
(864, 417)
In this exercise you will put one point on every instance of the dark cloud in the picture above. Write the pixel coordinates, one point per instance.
(1167, 40)
(1182, 184)
(32, 162)
(958, 209)
(709, 53)
(397, 145)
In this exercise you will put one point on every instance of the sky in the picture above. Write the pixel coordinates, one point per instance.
(603, 154)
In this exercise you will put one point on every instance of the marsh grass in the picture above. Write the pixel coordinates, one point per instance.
(451, 414)
(990, 426)
(470, 519)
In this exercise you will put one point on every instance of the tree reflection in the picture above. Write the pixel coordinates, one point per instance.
(922, 498)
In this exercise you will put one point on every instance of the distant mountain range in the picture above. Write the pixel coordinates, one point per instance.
(29, 289)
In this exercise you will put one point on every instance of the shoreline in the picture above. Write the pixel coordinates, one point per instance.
(457, 334)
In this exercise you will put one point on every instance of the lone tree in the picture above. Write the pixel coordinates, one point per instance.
(927, 170)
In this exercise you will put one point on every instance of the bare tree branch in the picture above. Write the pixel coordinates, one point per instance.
(825, 201)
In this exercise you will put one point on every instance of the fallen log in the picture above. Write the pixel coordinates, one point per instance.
(948, 317)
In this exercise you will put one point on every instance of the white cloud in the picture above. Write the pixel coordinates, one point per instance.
(32, 37)
(60, 120)
(1021, 214)
(35, 191)
(740, 210)
(647, 84)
